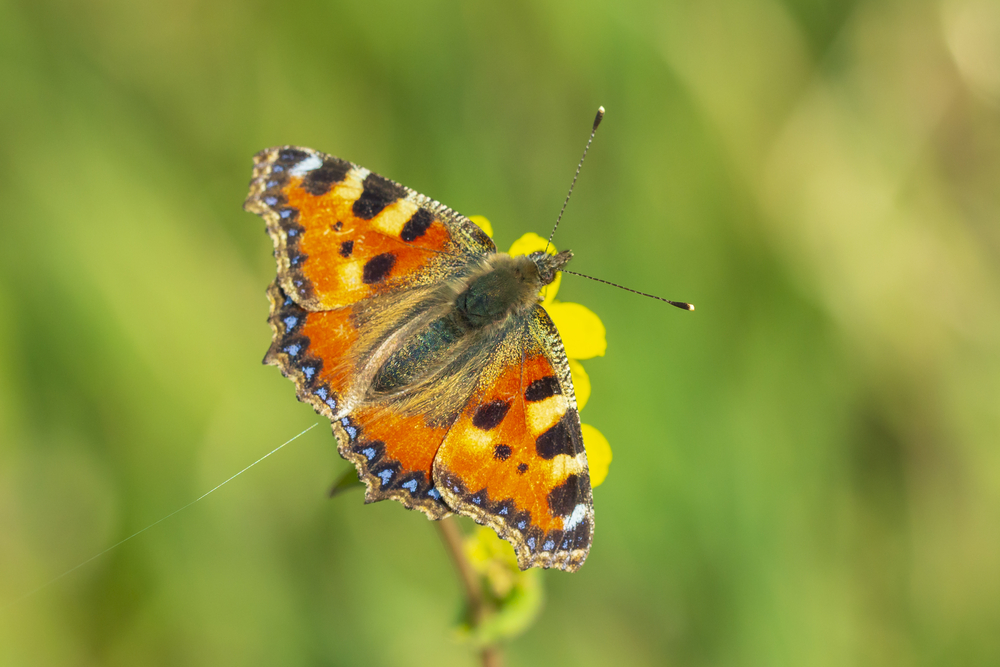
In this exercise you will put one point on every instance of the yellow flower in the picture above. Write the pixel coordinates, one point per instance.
(583, 336)
(515, 597)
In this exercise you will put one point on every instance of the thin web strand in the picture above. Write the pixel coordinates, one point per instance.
(139, 532)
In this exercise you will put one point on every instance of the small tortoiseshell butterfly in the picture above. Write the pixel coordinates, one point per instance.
(444, 378)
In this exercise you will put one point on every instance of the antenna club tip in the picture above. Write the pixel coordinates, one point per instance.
(599, 117)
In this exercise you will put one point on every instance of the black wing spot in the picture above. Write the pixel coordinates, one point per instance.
(388, 473)
(565, 497)
(373, 450)
(288, 216)
(542, 388)
(489, 415)
(452, 482)
(378, 193)
(480, 498)
(275, 199)
(582, 537)
(501, 452)
(417, 225)
(291, 156)
(337, 227)
(505, 508)
(522, 468)
(346, 248)
(319, 181)
(377, 268)
(296, 259)
(557, 440)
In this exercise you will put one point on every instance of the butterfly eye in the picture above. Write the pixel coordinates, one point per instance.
(548, 264)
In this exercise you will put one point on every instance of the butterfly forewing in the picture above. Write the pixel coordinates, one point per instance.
(321, 351)
(342, 234)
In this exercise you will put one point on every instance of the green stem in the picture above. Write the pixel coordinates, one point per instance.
(452, 537)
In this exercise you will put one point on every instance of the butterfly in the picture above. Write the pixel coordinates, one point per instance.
(446, 382)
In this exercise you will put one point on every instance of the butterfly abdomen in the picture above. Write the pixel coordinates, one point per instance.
(428, 350)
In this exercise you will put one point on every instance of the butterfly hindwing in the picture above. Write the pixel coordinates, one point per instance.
(342, 233)
(514, 459)
(394, 454)
(323, 352)
(310, 348)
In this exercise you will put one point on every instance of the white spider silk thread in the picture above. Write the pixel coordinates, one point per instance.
(139, 532)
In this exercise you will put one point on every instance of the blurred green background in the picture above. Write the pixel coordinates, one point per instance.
(806, 469)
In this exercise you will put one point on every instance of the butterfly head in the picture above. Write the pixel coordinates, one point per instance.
(548, 264)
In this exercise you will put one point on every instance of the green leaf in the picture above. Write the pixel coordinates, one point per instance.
(346, 482)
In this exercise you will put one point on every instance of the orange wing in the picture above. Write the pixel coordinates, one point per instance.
(393, 455)
(514, 459)
(342, 234)
(355, 252)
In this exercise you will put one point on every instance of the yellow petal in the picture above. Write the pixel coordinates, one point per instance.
(482, 545)
(581, 383)
(528, 244)
(581, 329)
(598, 453)
(483, 224)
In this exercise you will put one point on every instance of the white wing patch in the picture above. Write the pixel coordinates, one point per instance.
(574, 519)
(311, 163)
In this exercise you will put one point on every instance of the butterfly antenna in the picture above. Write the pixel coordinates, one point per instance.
(597, 121)
(677, 304)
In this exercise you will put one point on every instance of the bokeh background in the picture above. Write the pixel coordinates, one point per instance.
(806, 468)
